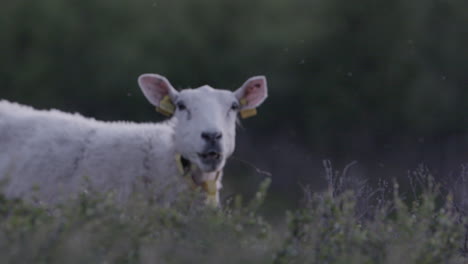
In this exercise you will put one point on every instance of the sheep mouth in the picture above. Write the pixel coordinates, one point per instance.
(210, 156)
(210, 159)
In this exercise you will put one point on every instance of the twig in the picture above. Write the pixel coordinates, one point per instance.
(465, 246)
(259, 171)
(347, 167)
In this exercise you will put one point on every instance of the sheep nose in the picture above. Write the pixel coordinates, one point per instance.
(211, 136)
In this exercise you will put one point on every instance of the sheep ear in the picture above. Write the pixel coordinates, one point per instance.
(252, 94)
(156, 88)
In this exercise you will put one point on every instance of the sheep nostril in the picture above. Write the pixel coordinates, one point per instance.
(211, 136)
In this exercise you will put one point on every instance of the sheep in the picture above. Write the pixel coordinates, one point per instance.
(54, 152)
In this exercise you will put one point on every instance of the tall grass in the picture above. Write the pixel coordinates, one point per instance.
(347, 223)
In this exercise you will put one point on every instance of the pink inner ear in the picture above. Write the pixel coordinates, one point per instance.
(254, 93)
(160, 88)
(154, 88)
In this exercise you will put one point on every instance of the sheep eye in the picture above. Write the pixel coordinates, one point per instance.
(235, 107)
(181, 106)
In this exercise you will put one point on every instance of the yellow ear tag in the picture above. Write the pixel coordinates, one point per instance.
(246, 113)
(180, 167)
(212, 201)
(210, 187)
(165, 106)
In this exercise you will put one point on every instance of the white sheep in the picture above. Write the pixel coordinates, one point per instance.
(54, 152)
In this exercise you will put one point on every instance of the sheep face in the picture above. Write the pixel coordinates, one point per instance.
(205, 126)
(205, 118)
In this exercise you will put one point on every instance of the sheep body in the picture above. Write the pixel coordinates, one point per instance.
(60, 153)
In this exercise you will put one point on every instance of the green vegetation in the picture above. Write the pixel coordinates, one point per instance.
(330, 227)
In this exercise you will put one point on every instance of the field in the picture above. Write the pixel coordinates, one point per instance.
(347, 223)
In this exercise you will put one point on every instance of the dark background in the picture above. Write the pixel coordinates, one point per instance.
(377, 81)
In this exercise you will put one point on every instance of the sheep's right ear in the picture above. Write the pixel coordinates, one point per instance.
(158, 91)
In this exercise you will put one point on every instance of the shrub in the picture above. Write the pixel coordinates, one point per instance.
(329, 228)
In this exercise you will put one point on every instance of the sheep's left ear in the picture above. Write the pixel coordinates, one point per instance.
(252, 94)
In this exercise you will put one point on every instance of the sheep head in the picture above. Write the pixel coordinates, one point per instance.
(204, 118)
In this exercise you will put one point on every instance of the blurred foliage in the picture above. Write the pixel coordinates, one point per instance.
(336, 68)
(328, 228)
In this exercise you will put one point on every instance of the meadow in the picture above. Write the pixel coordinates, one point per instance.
(349, 222)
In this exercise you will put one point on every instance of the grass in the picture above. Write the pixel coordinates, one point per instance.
(347, 223)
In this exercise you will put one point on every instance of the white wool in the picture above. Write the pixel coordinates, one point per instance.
(62, 153)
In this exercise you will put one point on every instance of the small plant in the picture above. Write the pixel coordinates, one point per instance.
(330, 228)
